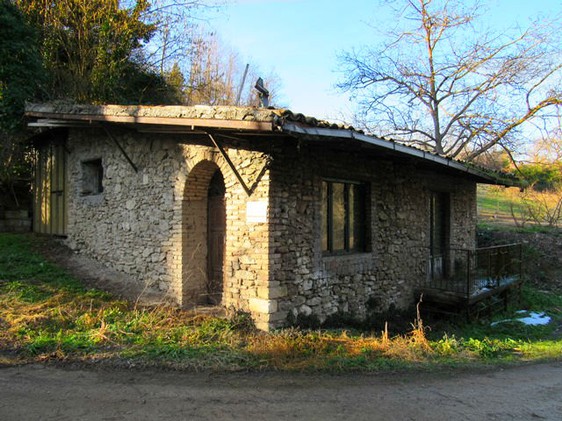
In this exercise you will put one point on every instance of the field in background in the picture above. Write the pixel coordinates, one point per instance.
(508, 215)
(496, 204)
(514, 207)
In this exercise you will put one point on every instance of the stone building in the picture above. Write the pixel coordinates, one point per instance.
(261, 210)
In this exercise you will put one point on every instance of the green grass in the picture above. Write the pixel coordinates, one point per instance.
(510, 339)
(512, 207)
(492, 202)
(45, 315)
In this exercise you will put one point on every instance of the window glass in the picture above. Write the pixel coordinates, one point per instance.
(338, 217)
(343, 216)
(356, 217)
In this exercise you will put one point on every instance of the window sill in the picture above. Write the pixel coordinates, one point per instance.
(350, 254)
(92, 199)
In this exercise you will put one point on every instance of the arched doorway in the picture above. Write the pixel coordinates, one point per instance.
(216, 231)
(203, 235)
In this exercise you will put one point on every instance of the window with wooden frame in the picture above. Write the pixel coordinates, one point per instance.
(92, 177)
(343, 216)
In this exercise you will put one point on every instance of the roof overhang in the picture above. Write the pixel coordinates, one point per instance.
(258, 122)
(480, 175)
(53, 119)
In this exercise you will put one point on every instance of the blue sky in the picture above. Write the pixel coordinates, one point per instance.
(299, 40)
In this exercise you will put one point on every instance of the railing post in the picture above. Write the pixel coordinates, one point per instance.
(489, 263)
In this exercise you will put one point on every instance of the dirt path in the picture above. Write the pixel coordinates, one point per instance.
(46, 393)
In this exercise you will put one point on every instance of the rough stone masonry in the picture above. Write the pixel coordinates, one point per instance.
(151, 224)
(137, 198)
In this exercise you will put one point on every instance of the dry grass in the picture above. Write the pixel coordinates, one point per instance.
(47, 315)
(45, 323)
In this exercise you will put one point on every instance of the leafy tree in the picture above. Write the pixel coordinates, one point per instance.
(541, 177)
(83, 50)
(442, 84)
(176, 82)
(143, 85)
(91, 48)
(21, 71)
(21, 77)
(542, 168)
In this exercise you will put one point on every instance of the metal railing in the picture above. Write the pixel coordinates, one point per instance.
(472, 272)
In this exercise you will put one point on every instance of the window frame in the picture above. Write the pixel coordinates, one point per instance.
(92, 177)
(355, 218)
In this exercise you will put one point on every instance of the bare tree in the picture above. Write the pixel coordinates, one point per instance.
(215, 74)
(443, 84)
(547, 150)
(176, 25)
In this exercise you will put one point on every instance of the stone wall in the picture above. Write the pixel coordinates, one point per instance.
(151, 223)
(358, 284)
(128, 224)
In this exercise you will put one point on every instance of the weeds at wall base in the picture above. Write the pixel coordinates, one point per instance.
(47, 316)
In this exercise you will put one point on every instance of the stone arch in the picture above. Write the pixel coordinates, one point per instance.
(197, 287)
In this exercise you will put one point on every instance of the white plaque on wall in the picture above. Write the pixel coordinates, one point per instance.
(256, 211)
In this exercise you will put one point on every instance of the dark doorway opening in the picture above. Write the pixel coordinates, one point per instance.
(216, 232)
(439, 235)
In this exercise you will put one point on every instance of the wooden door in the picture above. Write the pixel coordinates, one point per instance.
(216, 230)
(49, 213)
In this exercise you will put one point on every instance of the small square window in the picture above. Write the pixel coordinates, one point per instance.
(92, 177)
